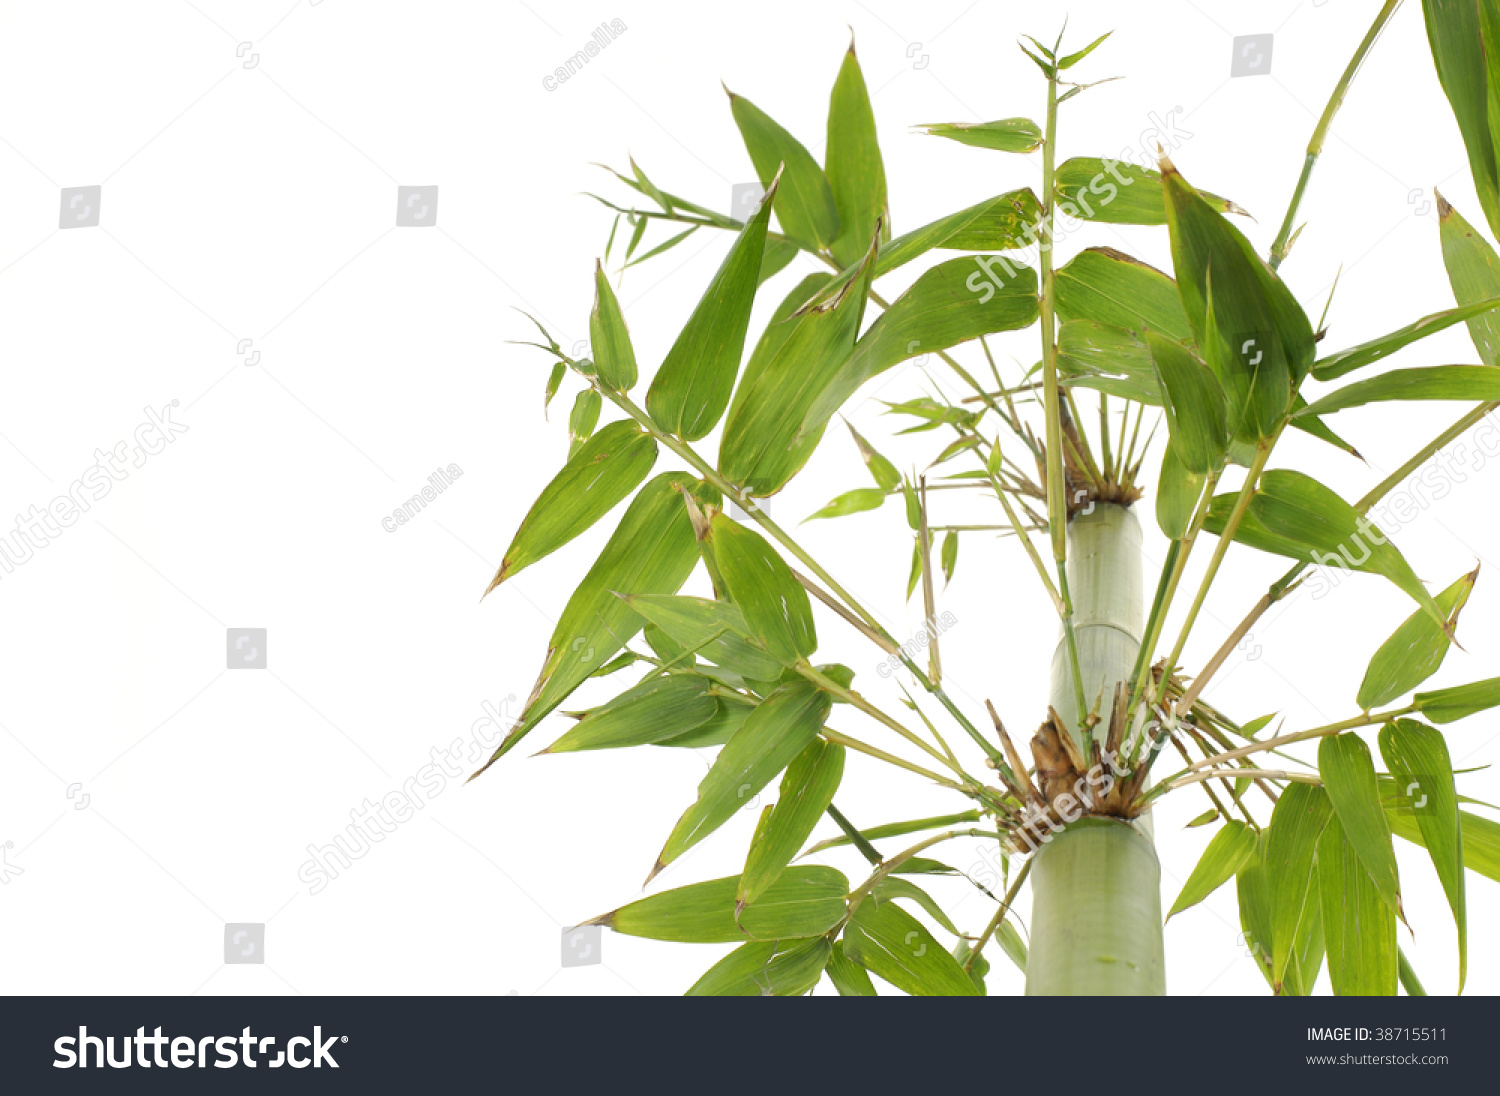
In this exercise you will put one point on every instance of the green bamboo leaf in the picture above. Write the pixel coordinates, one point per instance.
(1451, 705)
(1194, 406)
(851, 502)
(1296, 824)
(609, 340)
(804, 206)
(893, 887)
(898, 829)
(1359, 927)
(661, 248)
(1005, 135)
(716, 630)
(1073, 58)
(1348, 775)
(602, 472)
(652, 551)
(1417, 757)
(1253, 892)
(1415, 650)
(718, 729)
(1011, 943)
(979, 968)
(1479, 383)
(1296, 516)
(1481, 838)
(1177, 494)
(852, 164)
(777, 731)
(584, 417)
(884, 472)
(764, 442)
(1474, 272)
(885, 939)
(807, 788)
(955, 301)
(1458, 50)
(1118, 193)
(1356, 357)
(950, 555)
(1003, 223)
(1109, 359)
(847, 976)
(692, 388)
(1226, 854)
(647, 187)
(1315, 426)
(656, 709)
(774, 604)
(1307, 948)
(554, 382)
(1208, 816)
(805, 902)
(779, 255)
(1253, 333)
(1110, 287)
(770, 969)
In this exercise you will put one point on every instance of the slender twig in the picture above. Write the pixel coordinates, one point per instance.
(1282, 245)
(1005, 904)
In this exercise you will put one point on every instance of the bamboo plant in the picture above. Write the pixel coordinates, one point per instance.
(1217, 354)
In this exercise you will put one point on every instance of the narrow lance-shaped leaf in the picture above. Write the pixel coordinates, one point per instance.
(1262, 343)
(716, 630)
(1357, 357)
(847, 976)
(1253, 892)
(857, 501)
(774, 604)
(1359, 928)
(898, 829)
(954, 302)
(804, 205)
(770, 969)
(1434, 382)
(652, 551)
(807, 788)
(1481, 838)
(853, 165)
(1294, 515)
(884, 472)
(805, 902)
(1004, 135)
(1110, 287)
(764, 445)
(1194, 405)
(609, 340)
(584, 418)
(1474, 272)
(1460, 701)
(599, 475)
(1415, 650)
(1458, 50)
(1226, 854)
(656, 709)
(1417, 757)
(885, 939)
(692, 388)
(1116, 192)
(1177, 493)
(1005, 222)
(775, 733)
(1348, 775)
(893, 886)
(1296, 824)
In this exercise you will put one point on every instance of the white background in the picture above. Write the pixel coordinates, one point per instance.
(259, 203)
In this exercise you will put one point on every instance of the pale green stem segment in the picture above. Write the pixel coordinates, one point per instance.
(1096, 914)
(1096, 909)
